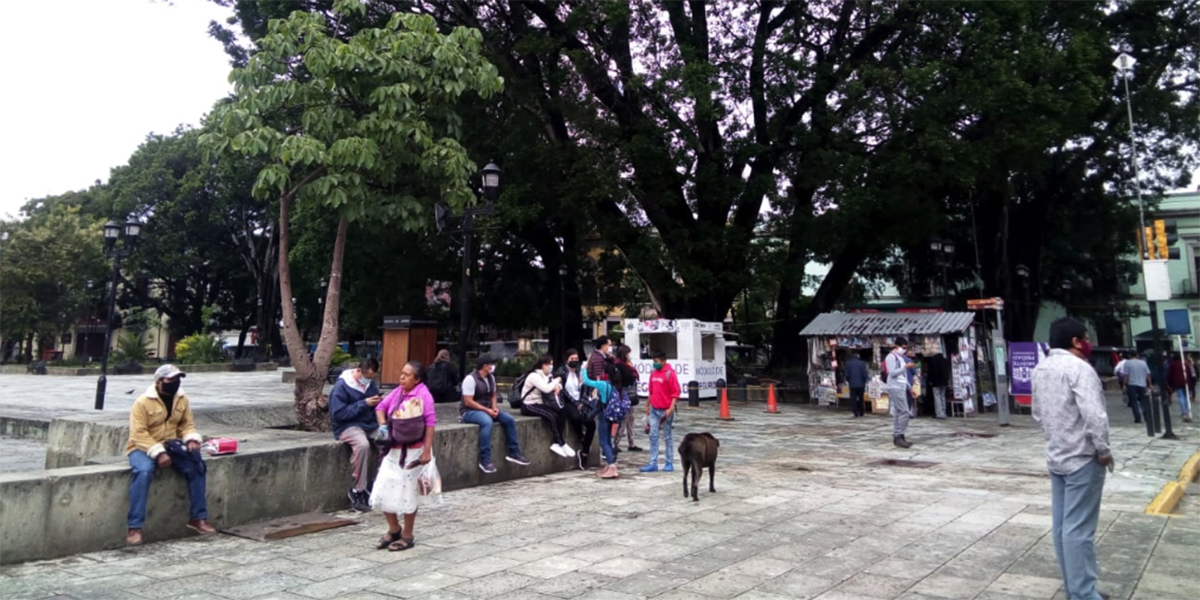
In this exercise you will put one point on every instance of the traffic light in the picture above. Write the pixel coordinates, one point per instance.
(1166, 234)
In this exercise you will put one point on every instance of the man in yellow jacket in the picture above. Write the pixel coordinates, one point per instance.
(163, 434)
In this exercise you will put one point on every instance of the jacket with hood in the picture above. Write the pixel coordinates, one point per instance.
(348, 405)
(150, 425)
(664, 387)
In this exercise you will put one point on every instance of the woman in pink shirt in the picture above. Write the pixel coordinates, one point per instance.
(406, 422)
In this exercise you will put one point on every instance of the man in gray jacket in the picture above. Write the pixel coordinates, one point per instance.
(856, 380)
(899, 387)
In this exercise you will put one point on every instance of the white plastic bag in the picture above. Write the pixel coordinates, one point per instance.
(429, 482)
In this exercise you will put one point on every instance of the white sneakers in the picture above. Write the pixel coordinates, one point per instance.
(563, 450)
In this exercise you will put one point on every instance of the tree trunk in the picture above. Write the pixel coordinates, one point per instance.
(311, 408)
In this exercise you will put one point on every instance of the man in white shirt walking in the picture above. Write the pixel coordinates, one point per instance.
(1068, 402)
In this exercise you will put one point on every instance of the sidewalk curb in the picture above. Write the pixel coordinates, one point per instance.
(1166, 500)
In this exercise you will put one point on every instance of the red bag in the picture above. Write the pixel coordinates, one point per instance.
(219, 446)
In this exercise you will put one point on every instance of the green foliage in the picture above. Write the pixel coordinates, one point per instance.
(200, 349)
(365, 126)
(516, 367)
(139, 321)
(340, 357)
(47, 262)
(131, 348)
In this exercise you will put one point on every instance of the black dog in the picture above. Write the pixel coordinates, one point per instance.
(698, 450)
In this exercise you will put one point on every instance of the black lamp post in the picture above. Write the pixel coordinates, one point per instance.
(943, 253)
(113, 231)
(491, 190)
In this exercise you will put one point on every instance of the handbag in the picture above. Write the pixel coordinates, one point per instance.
(403, 432)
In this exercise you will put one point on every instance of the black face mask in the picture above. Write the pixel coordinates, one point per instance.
(170, 388)
(573, 364)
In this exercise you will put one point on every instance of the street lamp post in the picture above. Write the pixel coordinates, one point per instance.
(491, 190)
(1124, 64)
(943, 253)
(112, 232)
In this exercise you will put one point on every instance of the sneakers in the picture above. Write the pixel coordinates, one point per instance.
(635, 448)
(133, 537)
(360, 501)
(568, 450)
(651, 468)
(558, 449)
(487, 467)
(200, 526)
(518, 459)
(901, 442)
(668, 467)
(609, 472)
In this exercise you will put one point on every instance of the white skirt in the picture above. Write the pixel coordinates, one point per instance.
(396, 489)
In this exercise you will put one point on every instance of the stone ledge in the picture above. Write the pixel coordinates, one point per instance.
(149, 369)
(275, 474)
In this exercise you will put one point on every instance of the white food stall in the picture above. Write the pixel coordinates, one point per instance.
(695, 349)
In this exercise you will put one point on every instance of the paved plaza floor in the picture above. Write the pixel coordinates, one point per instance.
(802, 510)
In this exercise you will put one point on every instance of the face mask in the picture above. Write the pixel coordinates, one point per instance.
(573, 364)
(170, 388)
(548, 369)
(1085, 348)
(658, 366)
(365, 381)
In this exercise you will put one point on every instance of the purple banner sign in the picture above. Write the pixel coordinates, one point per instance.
(1023, 357)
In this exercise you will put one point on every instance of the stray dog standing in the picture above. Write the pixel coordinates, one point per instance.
(698, 450)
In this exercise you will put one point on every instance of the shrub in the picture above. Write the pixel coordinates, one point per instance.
(200, 349)
(340, 357)
(131, 348)
(515, 367)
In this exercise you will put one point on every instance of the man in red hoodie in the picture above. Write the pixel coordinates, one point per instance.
(660, 411)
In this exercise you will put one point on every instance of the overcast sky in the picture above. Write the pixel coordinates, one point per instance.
(87, 80)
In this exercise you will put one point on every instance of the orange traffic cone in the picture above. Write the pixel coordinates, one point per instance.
(724, 416)
(771, 406)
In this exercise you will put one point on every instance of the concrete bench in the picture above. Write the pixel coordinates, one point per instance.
(64, 511)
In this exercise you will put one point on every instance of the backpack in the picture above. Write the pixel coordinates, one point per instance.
(617, 406)
(515, 399)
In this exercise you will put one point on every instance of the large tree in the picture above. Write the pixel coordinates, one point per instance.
(363, 124)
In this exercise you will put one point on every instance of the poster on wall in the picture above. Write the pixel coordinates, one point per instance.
(707, 374)
(962, 367)
(1024, 356)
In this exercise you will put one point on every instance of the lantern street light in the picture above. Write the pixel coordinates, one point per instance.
(943, 255)
(128, 235)
(490, 178)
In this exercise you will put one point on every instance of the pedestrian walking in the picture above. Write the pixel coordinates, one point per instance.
(1177, 379)
(660, 410)
(896, 366)
(856, 379)
(1068, 403)
(407, 420)
(1136, 374)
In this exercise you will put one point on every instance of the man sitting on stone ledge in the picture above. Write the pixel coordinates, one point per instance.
(352, 403)
(163, 434)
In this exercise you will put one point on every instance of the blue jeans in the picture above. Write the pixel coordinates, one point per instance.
(139, 489)
(606, 439)
(655, 416)
(1139, 401)
(485, 423)
(1181, 393)
(1075, 505)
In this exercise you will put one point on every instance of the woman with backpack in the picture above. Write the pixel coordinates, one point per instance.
(540, 397)
(442, 379)
(629, 377)
(613, 407)
(407, 420)
(577, 407)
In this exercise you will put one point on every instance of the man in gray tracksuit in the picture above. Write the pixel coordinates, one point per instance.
(898, 388)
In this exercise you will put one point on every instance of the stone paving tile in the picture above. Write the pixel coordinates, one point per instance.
(481, 567)
(621, 566)
(424, 583)
(265, 584)
(875, 586)
(648, 583)
(340, 586)
(1026, 585)
(798, 585)
(722, 584)
(493, 585)
(946, 586)
(569, 585)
